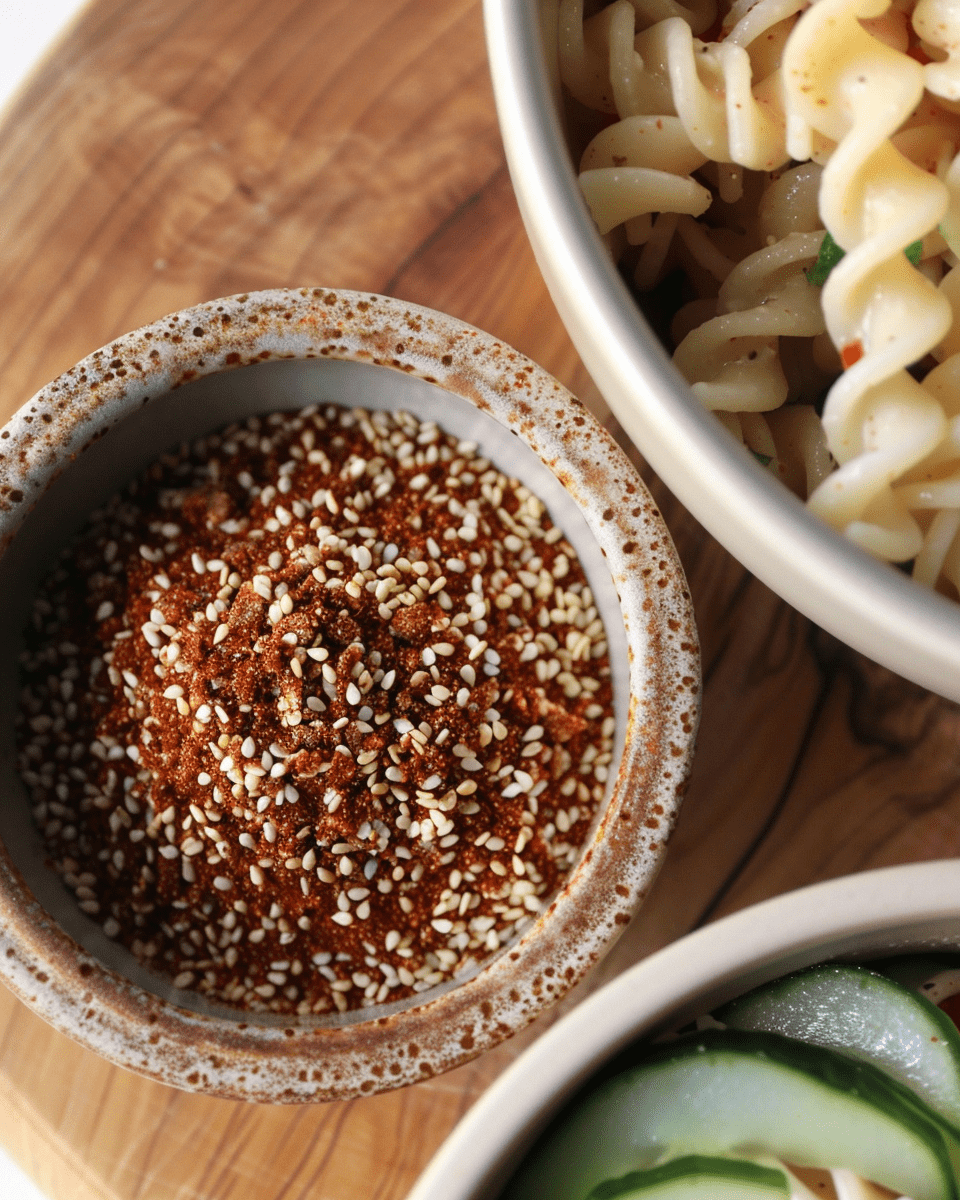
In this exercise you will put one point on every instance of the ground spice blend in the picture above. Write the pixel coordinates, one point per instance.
(317, 713)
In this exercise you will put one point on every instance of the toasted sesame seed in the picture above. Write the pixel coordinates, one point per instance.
(328, 557)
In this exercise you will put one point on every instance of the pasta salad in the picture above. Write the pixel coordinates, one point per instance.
(782, 179)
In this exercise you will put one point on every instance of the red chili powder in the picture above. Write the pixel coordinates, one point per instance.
(317, 713)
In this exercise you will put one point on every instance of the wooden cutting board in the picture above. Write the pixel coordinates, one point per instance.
(172, 152)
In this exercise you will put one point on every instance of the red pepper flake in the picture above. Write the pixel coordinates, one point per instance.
(318, 713)
(850, 354)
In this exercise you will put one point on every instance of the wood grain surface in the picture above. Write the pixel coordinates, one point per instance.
(170, 152)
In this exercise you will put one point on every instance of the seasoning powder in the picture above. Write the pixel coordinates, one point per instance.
(317, 713)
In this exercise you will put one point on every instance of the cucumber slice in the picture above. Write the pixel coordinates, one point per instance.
(754, 1094)
(869, 1016)
(698, 1177)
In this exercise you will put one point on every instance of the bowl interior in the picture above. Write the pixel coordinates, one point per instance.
(127, 449)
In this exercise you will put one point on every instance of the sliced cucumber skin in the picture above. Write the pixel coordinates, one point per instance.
(698, 1177)
(728, 1092)
(859, 1012)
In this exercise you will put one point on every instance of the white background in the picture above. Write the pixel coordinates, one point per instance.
(27, 28)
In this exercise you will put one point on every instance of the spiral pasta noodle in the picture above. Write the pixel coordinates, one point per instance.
(938, 24)
(884, 314)
(732, 361)
(742, 150)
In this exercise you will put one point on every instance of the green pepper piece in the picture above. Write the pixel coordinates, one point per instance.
(830, 254)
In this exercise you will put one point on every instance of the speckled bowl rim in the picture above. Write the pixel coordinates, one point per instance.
(892, 910)
(136, 1029)
(870, 605)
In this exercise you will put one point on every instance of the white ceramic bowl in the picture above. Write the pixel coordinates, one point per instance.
(890, 911)
(101, 424)
(869, 605)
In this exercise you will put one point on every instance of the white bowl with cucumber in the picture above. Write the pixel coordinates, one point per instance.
(790, 1051)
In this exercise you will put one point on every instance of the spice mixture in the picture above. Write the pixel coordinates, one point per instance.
(317, 713)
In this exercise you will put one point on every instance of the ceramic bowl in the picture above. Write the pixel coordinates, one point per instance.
(102, 423)
(891, 911)
(867, 604)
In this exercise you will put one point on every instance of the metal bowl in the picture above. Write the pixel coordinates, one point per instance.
(867, 604)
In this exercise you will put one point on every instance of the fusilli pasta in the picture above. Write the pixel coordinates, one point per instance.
(795, 166)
